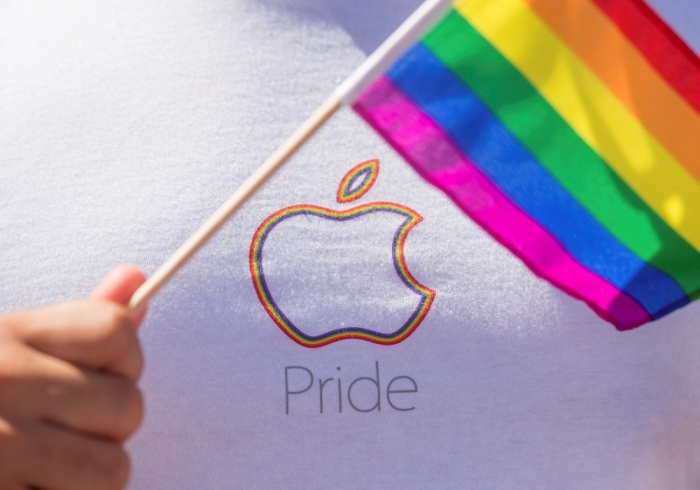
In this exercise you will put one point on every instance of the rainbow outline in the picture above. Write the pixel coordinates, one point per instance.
(258, 276)
(371, 167)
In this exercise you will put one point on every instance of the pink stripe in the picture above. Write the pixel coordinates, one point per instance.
(430, 150)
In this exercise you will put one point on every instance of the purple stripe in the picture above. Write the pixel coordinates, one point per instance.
(437, 159)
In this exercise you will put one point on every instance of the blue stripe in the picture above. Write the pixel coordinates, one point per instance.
(518, 174)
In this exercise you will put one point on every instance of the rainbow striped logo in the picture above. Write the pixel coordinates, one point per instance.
(354, 185)
(365, 174)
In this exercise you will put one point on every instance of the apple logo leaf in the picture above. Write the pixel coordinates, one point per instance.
(358, 181)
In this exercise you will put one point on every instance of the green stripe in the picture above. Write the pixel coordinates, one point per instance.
(579, 169)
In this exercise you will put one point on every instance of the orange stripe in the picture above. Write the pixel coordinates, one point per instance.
(589, 32)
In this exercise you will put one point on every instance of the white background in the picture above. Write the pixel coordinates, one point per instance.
(123, 124)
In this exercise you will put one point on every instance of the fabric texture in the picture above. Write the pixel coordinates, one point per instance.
(124, 124)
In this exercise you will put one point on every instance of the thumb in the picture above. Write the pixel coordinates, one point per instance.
(119, 285)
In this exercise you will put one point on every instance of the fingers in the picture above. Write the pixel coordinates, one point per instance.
(10, 455)
(68, 394)
(52, 458)
(45, 388)
(90, 333)
(120, 284)
(94, 403)
(86, 401)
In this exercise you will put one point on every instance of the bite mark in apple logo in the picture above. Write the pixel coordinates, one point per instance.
(356, 183)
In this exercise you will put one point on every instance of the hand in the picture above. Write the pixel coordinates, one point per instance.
(68, 394)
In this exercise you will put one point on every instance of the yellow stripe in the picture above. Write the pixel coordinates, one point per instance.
(628, 75)
(590, 108)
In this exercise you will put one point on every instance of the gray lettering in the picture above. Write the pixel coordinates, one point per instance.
(390, 392)
(377, 405)
(321, 384)
(286, 384)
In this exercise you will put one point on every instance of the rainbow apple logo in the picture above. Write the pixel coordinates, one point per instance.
(356, 183)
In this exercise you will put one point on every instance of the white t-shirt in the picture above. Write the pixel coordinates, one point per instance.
(124, 124)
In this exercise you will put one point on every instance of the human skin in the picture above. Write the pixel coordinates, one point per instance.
(68, 393)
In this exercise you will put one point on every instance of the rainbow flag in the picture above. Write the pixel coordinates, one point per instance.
(570, 131)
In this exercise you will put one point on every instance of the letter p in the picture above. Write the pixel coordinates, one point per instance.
(287, 392)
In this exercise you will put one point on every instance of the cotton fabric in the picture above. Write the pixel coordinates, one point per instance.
(123, 125)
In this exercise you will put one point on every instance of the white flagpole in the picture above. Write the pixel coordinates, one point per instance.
(389, 51)
(378, 62)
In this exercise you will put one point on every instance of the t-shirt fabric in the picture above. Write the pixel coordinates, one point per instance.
(124, 124)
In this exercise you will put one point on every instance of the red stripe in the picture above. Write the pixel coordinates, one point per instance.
(675, 61)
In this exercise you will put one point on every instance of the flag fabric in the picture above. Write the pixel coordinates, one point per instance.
(569, 130)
